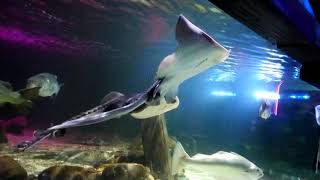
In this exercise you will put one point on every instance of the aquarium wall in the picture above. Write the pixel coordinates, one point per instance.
(95, 47)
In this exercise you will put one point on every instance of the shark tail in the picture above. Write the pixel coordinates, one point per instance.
(178, 159)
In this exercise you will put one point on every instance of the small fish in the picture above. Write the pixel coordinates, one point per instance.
(270, 106)
(47, 82)
(218, 166)
(265, 110)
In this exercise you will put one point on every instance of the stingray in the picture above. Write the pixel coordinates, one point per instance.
(196, 52)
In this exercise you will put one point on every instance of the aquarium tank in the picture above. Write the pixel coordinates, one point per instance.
(242, 113)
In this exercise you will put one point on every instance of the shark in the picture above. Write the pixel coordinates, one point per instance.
(218, 166)
(196, 52)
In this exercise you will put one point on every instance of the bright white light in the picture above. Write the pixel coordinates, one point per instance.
(223, 93)
(267, 95)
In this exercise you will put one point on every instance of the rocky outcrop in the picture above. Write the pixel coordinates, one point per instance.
(62, 172)
(124, 171)
(117, 171)
(10, 169)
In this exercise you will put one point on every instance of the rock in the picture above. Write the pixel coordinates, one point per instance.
(124, 171)
(3, 138)
(10, 169)
(32, 177)
(118, 171)
(62, 172)
(130, 157)
(91, 158)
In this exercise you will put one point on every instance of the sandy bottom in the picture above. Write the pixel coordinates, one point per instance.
(52, 152)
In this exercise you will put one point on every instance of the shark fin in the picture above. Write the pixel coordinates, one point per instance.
(177, 162)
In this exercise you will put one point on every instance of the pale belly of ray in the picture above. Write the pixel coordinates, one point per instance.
(151, 111)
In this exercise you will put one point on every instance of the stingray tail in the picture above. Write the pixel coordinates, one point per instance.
(178, 159)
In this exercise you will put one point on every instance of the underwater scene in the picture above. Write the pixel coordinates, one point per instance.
(145, 90)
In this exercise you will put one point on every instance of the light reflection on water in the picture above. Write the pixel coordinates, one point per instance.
(260, 61)
(251, 55)
(152, 24)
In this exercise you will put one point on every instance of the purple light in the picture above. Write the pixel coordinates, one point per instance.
(17, 36)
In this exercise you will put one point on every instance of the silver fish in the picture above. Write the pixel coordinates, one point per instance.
(47, 82)
(265, 110)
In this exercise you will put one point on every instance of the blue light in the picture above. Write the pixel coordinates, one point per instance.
(308, 7)
(301, 96)
(223, 93)
(293, 97)
(306, 96)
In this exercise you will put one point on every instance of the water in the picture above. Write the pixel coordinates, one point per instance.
(95, 47)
